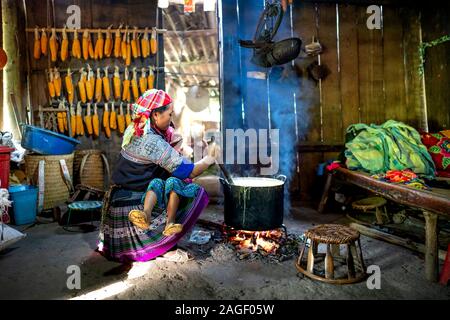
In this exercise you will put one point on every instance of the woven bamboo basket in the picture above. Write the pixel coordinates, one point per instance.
(56, 191)
(89, 168)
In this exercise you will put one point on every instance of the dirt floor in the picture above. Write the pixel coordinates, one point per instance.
(36, 268)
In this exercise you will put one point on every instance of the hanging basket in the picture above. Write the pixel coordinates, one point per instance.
(54, 186)
(90, 167)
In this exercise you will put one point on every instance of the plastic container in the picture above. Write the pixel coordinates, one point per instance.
(46, 142)
(24, 207)
(5, 157)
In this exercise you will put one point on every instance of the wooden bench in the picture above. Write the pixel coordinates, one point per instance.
(432, 203)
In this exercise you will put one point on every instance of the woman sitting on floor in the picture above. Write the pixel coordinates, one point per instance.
(150, 174)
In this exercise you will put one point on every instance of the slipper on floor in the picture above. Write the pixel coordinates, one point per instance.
(139, 219)
(172, 228)
(176, 256)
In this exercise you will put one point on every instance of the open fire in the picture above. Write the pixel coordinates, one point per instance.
(267, 241)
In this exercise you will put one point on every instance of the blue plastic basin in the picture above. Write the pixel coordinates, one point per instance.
(46, 142)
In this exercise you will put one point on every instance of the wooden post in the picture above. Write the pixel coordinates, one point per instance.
(11, 72)
(431, 246)
(329, 264)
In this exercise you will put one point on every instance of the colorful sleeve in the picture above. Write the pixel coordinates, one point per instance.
(184, 170)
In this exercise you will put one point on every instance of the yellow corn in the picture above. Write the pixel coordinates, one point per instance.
(121, 120)
(134, 85)
(65, 121)
(73, 122)
(57, 82)
(138, 46)
(150, 79)
(64, 46)
(69, 86)
(76, 46)
(116, 82)
(145, 45)
(108, 43)
(85, 43)
(44, 43)
(134, 48)
(95, 122)
(60, 116)
(124, 46)
(143, 81)
(113, 118)
(90, 84)
(118, 43)
(126, 87)
(153, 43)
(37, 45)
(88, 119)
(99, 46)
(106, 121)
(106, 86)
(51, 85)
(98, 86)
(91, 48)
(53, 46)
(82, 86)
(128, 116)
(128, 59)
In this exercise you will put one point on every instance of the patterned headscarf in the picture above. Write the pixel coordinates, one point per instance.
(142, 109)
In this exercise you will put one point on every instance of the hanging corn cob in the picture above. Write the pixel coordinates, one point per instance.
(85, 45)
(99, 46)
(128, 116)
(88, 119)
(57, 82)
(108, 43)
(65, 120)
(98, 86)
(76, 47)
(91, 48)
(60, 118)
(128, 59)
(73, 122)
(37, 45)
(53, 46)
(153, 42)
(90, 84)
(106, 86)
(138, 45)
(64, 46)
(79, 120)
(44, 42)
(145, 45)
(117, 43)
(106, 121)
(134, 48)
(143, 81)
(51, 85)
(82, 85)
(113, 118)
(95, 122)
(123, 45)
(117, 84)
(126, 87)
(151, 78)
(69, 86)
(121, 119)
(134, 84)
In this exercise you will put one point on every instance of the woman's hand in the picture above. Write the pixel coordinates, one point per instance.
(214, 151)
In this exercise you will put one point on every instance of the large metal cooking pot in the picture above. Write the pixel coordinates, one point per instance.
(254, 204)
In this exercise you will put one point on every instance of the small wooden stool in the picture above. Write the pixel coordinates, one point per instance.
(373, 203)
(333, 235)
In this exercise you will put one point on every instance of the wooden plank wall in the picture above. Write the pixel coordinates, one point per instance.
(94, 14)
(435, 24)
(372, 77)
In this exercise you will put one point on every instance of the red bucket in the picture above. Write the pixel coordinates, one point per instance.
(5, 157)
